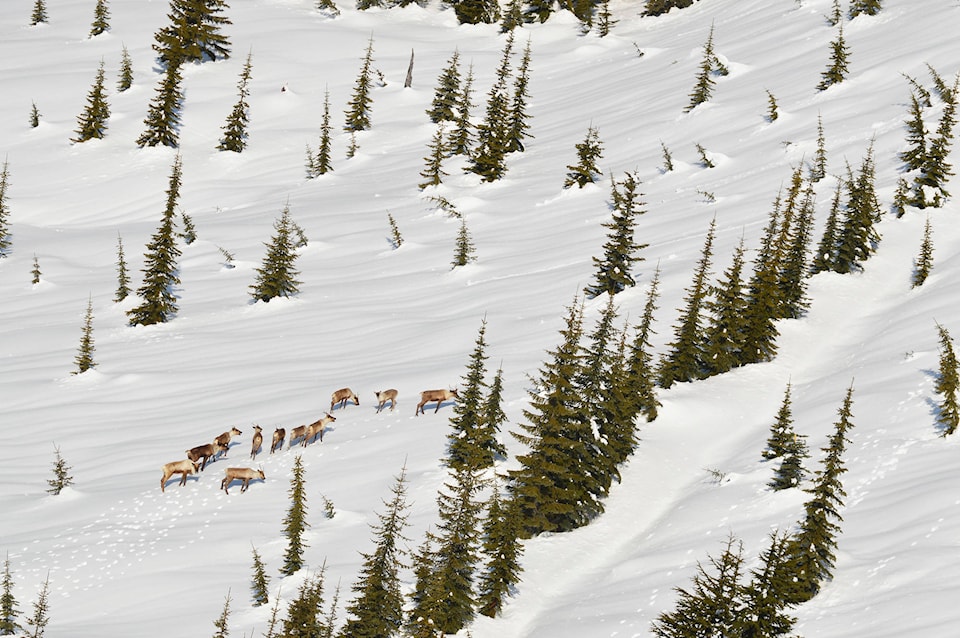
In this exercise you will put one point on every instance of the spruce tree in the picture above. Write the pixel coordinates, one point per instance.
(34, 115)
(295, 522)
(818, 167)
(8, 602)
(659, 7)
(857, 237)
(39, 14)
(641, 377)
(5, 241)
(811, 549)
(35, 271)
(464, 250)
(464, 451)
(503, 550)
(276, 276)
(684, 361)
(772, 108)
(915, 155)
(710, 65)
(427, 600)
(222, 623)
(947, 385)
(101, 18)
(125, 77)
(620, 250)
(788, 446)
(235, 129)
(924, 263)
(189, 234)
(395, 237)
(194, 33)
(92, 123)
(259, 581)
(795, 267)
(433, 172)
(160, 269)
(461, 137)
(123, 279)
(492, 417)
(764, 609)
(837, 71)
(512, 16)
(781, 431)
(377, 609)
(518, 127)
(930, 182)
(163, 115)
(61, 474)
(323, 163)
(836, 14)
(84, 358)
(538, 10)
(40, 617)
(605, 20)
(447, 93)
(866, 7)
(488, 158)
(826, 253)
(723, 334)
(901, 198)
(477, 11)
(304, 618)
(329, 7)
(358, 112)
(763, 297)
(589, 151)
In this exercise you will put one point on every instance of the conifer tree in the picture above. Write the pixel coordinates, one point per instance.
(426, 598)
(235, 129)
(433, 172)
(935, 170)
(620, 250)
(641, 377)
(788, 446)
(538, 10)
(304, 618)
(92, 123)
(502, 549)
(464, 451)
(710, 65)
(477, 11)
(358, 111)
(163, 115)
(276, 276)
(837, 71)
(194, 33)
(723, 335)
(512, 16)
(464, 252)
(8, 602)
(947, 385)
(605, 20)
(40, 617)
(684, 360)
(189, 234)
(794, 267)
(781, 431)
(811, 550)
(274, 620)
(61, 474)
(763, 297)
(321, 162)
(589, 151)
(34, 115)
(915, 156)
(836, 14)
(866, 7)
(259, 582)
(35, 272)
(556, 487)
(667, 158)
(329, 7)
(84, 358)
(295, 522)
(395, 237)
(924, 263)
(818, 167)
(447, 93)
(39, 14)
(5, 242)
(377, 609)
(125, 77)
(518, 127)
(492, 417)
(123, 279)
(712, 606)
(764, 610)
(772, 108)
(857, 237)
(101, 18)
(901, 198)
(826, 252)
(160, 269)
(222, 623)
(488, 158)
(659, 7)
(461, 137)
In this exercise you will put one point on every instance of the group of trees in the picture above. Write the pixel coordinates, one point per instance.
(36, 623)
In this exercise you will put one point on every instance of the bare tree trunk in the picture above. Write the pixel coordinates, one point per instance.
(409, 81)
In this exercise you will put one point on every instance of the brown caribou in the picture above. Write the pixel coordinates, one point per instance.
(434, 395)
(341, 396)
(386, 395)
(245, 474)
(185, 467)
(256, 442)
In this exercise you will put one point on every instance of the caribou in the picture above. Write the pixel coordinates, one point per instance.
(224, 439)
(185, 467)
(341, 396)
(277, 443)
(386, 395)
(434, 395)
(316, 428)
(245, 474)
(257, 442)
(205, 452)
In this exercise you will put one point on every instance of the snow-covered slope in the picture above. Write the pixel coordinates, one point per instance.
(124, 559)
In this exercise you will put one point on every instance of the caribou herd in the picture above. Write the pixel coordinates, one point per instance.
(197, 457)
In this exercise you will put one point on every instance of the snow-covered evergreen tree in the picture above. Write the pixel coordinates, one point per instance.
(84, 359)
(235, 129)
(92, 123)
(101, 18)
(194, 33)
(614, 269)
(358, 111)
(61, 474)
(947, 385)
(125, 77)
(295, 522)
(5, 241)
(839, 65)
(8, 602)
(276, 276)
(163, 115)
(589, 152)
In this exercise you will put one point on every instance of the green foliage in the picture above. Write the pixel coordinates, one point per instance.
(461, 137)
(101, 18)
(947, 385)
(295, 524)
(684, 361)
(589, 152)
(222, 623)
(492, 417)
(5, 242)
(924, 263)
(321, 162)
(477, 11)
(710, 66)
(39, 14)
(605, 21)
(84, 358)
(866, 7)
(433, 172)
(837, 71)
(276, 276)
(502, 549)
(772, 108)
(667, 158)
(35, 271)
(705, 160)
(163, 115)
(189, 234)
(857, 237)
(932, 169)
(826, 252)
(358, 111)
(836, 14)
(764, 610)
(259, 582)
(464, 251)
(34, 115)
(512, 16)
(659, 7)
(723, 335)
(193, 34)
(328, 6)
(517, 127)
(377, 610)
(818, 167)
(465, 449)
(160, 270)
(304, 618)
(92, 123)
(794, 265)
(40, 617)
(235, 129)
(61, 474)
(641, 379)
(763, 296)
(620, 249)
(8, 602)
(125, 78)
(123, 279)
(488, 158)
(788, 446)
(395, 237)
(447, 93)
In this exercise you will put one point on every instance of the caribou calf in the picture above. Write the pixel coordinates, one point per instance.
(205, 452)
(277, 443)
(341, 396)
(185, 467)
(245, 474)
(257, 441)
(224, 439)
(316, 428)
(384, 396)
(434, 395)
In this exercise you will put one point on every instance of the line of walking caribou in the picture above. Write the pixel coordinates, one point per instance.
(197, 457)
